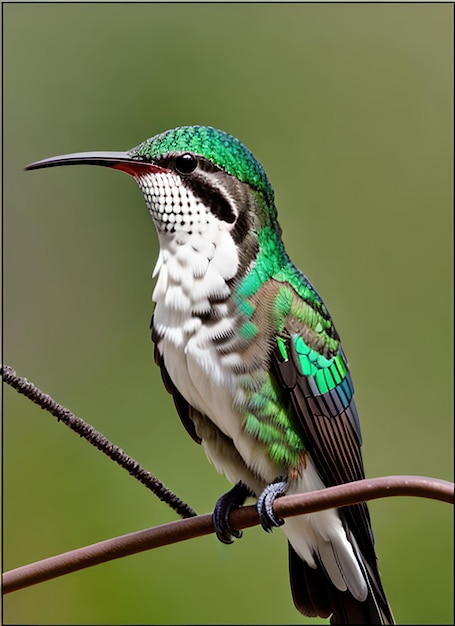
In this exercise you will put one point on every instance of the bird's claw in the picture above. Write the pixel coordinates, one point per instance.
(265, 502)
(224, 506)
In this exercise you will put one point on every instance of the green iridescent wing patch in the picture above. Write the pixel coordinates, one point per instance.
(325, 375)
(309, 343)
(308, 348)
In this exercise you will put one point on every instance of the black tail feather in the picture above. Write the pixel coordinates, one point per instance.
(314, 595)
(309, 587)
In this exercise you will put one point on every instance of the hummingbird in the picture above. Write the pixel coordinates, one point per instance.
(250, 354)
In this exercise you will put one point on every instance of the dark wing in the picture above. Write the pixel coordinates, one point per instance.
(326, 415)
(319, 388)
(182, 406)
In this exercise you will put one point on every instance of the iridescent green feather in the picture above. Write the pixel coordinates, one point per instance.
(269, 419)
(219, 147)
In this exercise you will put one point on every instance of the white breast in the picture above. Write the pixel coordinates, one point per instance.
(191, 270)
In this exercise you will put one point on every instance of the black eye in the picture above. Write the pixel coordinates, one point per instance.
(185, 163)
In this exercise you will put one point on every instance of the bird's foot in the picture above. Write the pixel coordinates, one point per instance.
(265, 502)
(224, 506)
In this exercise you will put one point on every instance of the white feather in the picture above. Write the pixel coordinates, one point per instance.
(323, 533)
(175, 299)
(161, 284)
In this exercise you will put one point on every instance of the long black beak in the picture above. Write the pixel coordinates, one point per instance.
(116, 160)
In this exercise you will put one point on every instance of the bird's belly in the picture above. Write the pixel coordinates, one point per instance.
(213, 389)
(201, 380)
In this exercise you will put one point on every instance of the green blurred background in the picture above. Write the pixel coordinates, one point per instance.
(349, 109)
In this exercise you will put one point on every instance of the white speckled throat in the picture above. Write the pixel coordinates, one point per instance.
(173, 206)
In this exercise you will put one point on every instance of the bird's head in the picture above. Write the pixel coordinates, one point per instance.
(192, 177)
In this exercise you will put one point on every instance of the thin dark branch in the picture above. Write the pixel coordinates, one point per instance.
(23, 386)
(245, 517)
